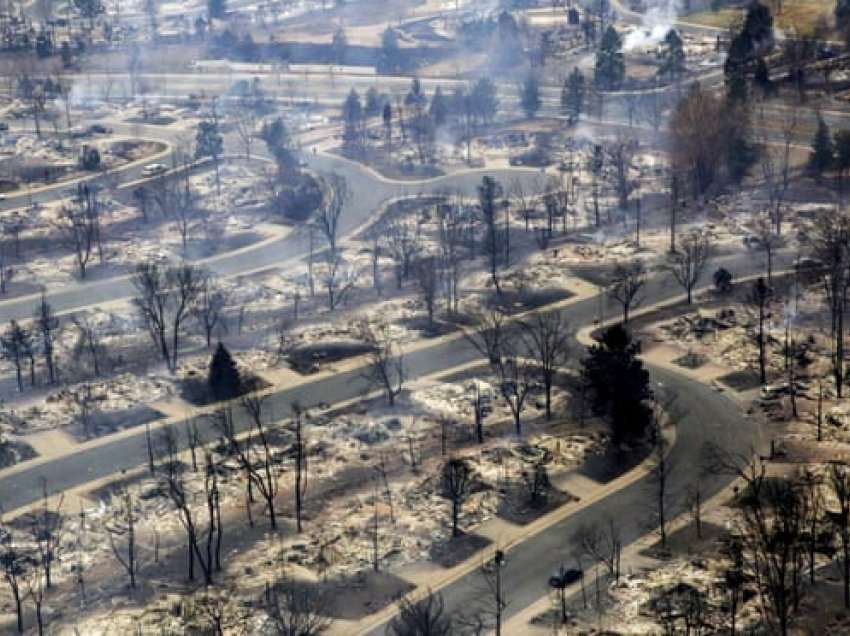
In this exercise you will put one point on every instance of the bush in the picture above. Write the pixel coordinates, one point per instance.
(297, 201)
(224, 380)
(723, 280)
(90, 159)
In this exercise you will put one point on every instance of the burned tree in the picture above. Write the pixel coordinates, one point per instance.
(337, 194)
(264, 469)
(839, 481)
(14, 564)
(209, 308)
(299, 450)
(687, 265)
(548, 340)
(488, 334)
(428, 281)
(772, 524)
(489, 192)
(451, 238)
(296, 609)
(403, 245)
(831, 243)
(620, 154)
(121, 528)
(337, 280)
(602, 543)
(79, 225)
(16, 344)
(165, 300)
(47, 323)
(625, 286)
(759, 300)
(201, 530)
(424, 617)
(516, 379)
(386, 360)
(46, 527)
(456, 481)
(178, 201)
(89, 342)
(660, 465)
(776, 165)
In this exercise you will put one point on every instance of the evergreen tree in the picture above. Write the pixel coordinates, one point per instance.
(387, 117)
(529, 96)
(842, 156)
(758, 28)
(761, 77)
(672, 57)
(610, 68)
(276, 137)
(389, 58)
(224, 380)
(619, 383)
(737, 91)
(741, 154)
(339, 46)
(374, 103)
(755, 39)
(485, 103)
(572, 96)
(823, 152)
(439, 108)
(208, 140)
(210, 143)
(352, 117)
(415, 98)
(508, 44)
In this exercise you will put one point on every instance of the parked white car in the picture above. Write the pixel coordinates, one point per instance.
(153, 168)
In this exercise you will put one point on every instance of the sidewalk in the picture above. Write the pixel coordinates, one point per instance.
(504, 535)
(634, 558)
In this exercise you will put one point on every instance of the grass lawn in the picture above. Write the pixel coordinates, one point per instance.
(803, 15)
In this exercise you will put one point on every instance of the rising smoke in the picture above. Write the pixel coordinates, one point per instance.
(657, 22)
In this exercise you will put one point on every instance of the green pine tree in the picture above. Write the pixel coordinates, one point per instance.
(389, 58)
(619, 382)
(672, 57)
(224, 381)
(610, 70)
(572, 96)
(352, 117)
(210, 143)
(439, 108)
(823, 152)
(737, 90)
(842, 156)
(530, 96)
(485, 102)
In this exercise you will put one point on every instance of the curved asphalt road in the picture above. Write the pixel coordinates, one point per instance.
(708, 415)
(369, 193)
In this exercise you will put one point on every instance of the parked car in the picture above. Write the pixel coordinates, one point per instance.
(4, 126)
(99, 129)
(153, 168)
